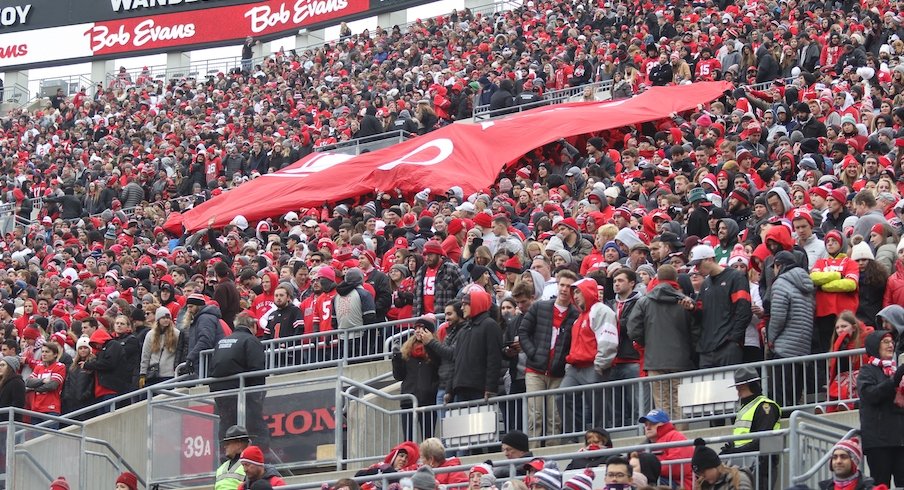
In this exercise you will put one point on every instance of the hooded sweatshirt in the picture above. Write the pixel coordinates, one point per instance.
(108, 372)
(786, 201)
(595, 333)
(628, 237)
(264, 303)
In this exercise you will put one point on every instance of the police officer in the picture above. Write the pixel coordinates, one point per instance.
(757, 413)
(231, 473)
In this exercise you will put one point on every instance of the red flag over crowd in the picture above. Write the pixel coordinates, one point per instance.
(467, 155)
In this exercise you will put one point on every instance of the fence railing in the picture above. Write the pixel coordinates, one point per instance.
(765, 474)
(325, 349)
(562, 415)
(598, 91)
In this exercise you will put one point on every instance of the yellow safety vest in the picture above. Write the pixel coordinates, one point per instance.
(745, 417)
(229, 478)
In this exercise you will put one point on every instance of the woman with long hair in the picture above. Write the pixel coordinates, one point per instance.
(849, 334)
(872, 281)
(78, 387)
(402, 286)
(419, 374)
(12, 387)
(46, 381)
(158, 354)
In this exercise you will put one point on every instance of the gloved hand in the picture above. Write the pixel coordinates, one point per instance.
(141, 380)
(726, 448)
(899, 373)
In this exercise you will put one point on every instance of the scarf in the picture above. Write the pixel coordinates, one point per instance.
(418, 351)
(849, 483)
(888, 366)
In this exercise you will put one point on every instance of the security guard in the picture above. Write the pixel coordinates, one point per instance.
(231, 473)
(757, 414)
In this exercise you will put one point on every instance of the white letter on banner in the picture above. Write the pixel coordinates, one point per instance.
(443, 145)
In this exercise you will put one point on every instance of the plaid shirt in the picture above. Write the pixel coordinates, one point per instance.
(448, 284)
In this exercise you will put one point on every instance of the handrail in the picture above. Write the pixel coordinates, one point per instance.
(35, 463)
(622, 450)
(104, 404)
(400, 134)
(549, 98)
(119, 458)
(795, 463)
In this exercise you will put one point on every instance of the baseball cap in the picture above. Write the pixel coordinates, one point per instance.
(467, 207)
(656, 416)
(310, 223)
(701, 252)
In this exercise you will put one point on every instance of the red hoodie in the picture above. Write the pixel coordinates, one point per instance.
(480, 302)
(98, 339)
(263, 303)
(667, 433)
(594, 335)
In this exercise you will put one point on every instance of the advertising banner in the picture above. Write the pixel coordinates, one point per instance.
(47, 32)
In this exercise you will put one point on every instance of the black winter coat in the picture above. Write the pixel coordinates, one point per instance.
(478, 355)
(109, 367)
(445, 352)
(535, 335)
(419, 377)
(78, 390)
(12, 394)
(881, 421)
(240, 352)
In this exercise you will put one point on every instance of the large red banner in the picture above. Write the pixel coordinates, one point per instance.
(466, 155)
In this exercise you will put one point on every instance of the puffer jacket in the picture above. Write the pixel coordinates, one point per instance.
(478, 349)
(790, 326)
(595, 333)
(894, 288)
(204, 333)
(535, 335)
(887, 254)
(881, 421)
(664, 329)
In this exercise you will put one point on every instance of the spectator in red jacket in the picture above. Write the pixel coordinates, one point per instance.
(658, 428)
(894, 289)
(433, 453)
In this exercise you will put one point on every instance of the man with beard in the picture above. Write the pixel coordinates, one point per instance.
(739, 206)
(810, 127)
(286, 320)
(436, 282)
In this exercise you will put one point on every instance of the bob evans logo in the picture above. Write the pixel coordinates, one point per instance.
(264, 17)
(143, 33)
(14, 15)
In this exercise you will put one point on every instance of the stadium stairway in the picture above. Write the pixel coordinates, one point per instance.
(126, 431)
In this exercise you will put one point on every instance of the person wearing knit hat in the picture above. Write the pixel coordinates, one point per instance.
(59, 484)
(581, 481)
(14, 364)
(515, 445)
(847, 459)
(446, 281)
(127, 481)
(252, 460)
(423, 479)
(862, 251)
(712, 473)
(549, 478)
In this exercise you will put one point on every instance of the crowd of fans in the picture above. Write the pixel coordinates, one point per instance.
(766, 224)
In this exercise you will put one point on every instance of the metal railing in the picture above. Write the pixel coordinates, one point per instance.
(17, 95)
(561, 415)
(367, 143)
(328, 348)
(763, 474)
(813, 438)
(600, 91)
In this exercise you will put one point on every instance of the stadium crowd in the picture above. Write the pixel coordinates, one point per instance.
(766, 224)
